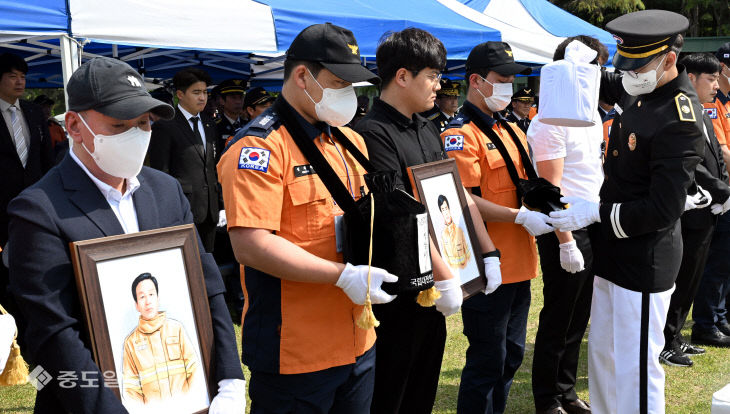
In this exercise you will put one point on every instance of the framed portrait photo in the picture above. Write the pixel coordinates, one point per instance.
(148, 319)
(438, 186)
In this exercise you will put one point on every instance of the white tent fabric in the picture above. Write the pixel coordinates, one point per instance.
(228, 25)
(527, 38)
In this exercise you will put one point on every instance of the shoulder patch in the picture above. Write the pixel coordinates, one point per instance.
(711, 112)
(684, 108)
(458, 121)
(433, 116)
(261, 127)
(254, 158)
(453, 142)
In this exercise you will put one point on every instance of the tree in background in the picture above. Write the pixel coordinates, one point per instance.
(706, 17)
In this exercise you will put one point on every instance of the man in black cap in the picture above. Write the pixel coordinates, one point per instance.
(230, 110)
(256, 101)
(495, 323)
(101, 189)
(656, 144)
(520, 106)
(300, 340)
(446, 104)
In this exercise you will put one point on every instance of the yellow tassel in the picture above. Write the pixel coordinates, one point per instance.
(427, 298)
(367, 317)
(16, 369)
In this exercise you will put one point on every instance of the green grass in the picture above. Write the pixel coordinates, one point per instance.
(688, 390)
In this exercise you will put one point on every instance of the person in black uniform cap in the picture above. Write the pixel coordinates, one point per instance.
(231, 107)
(255, 102)
(446, 104)
(656, 144)
(521, 103)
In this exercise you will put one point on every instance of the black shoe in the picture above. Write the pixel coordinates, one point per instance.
(713, 338)
(690, 349)
(554, 410)
(724, 327)
(577, 407)
(675, 358)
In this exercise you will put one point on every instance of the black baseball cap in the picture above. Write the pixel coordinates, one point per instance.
(496, 56)
(335, 48)
(113, 88)
(643, 35)
(723, 53)
(256, 96)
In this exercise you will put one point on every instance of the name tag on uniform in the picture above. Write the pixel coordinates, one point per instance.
(491, 146)
(339, 233)
(711, 112)
(302, 170)
(453, 142)
(140, 346)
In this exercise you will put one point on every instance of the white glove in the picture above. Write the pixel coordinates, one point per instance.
(222, 218)
(579, 214)
(354, 281)
(720, 208)
(534, 222)
(451, 296)
(494, 274)
(571, 259)
(7, 334)
(700, 199)
(231, 397)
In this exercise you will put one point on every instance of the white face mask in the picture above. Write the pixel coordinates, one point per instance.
(501, 96)
(120, 155)
(641, 83)
(337, 106)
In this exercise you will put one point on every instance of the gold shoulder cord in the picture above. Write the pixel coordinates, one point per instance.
(367, 317)
(16, 369)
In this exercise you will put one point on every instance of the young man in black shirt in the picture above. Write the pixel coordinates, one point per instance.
(411, 338)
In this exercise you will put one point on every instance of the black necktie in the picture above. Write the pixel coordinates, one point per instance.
(196, 131)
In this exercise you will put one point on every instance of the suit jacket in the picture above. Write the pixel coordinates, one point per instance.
(176, 150)
(66, 206)
(711, 175)
(40, 160)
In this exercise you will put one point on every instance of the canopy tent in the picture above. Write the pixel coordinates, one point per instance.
(249, 39)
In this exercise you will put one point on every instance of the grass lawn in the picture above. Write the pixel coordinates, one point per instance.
(689, 390)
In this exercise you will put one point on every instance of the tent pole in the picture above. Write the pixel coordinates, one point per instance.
(69, 60)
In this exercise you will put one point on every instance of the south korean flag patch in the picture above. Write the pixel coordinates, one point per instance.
(453, 142)
(711, 112)
(253, 158)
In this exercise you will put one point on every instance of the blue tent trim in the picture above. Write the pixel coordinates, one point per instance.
(38, 16)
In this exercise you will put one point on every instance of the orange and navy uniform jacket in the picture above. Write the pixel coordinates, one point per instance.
(717, 111)
(483, 170)
(292, 327)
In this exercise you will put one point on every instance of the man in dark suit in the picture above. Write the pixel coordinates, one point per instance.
(185, 148)
(698, 224)
(26, 152)
(100, 189)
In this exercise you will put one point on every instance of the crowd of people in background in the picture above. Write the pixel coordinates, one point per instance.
(269, 230)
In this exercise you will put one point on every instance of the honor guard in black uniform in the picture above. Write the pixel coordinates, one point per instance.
(520, 106)
(231, 111)
(446, 104)
(656, 143)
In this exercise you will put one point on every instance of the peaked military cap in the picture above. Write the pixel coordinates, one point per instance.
(643, 35)
(448, 87)
(524, 94)
(232, 86)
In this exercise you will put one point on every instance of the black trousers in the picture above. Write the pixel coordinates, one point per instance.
(206, 230)
(696, 244)
(563, 321)
(408, 355)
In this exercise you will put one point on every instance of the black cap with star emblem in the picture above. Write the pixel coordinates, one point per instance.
(335, 48)
(230, 86)
(256, 96)
(723, 53)
(496, 56)
(112, 87)
(448, 88)
(643, 35)
(524, 94)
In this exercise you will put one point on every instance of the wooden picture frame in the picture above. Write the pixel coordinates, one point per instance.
(106, 269)
(432, 183)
